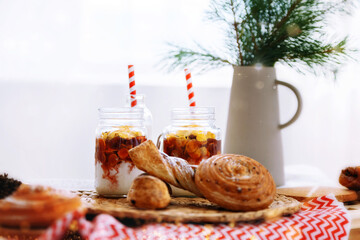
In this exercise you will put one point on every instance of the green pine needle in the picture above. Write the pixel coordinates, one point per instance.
(267, 32)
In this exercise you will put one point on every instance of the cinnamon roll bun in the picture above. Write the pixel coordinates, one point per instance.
(235, 182)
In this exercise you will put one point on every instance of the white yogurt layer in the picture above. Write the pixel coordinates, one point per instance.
(124, 178)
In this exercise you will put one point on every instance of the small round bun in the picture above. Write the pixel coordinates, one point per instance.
(149, 192)
(235, 182)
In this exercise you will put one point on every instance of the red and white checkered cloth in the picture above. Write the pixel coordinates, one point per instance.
(320, 218)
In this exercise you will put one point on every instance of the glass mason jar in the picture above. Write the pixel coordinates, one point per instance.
(119, 130)
(192, 134)
(140, 98)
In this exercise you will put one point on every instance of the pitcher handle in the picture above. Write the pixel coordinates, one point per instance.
(299, 100)
(159, 140)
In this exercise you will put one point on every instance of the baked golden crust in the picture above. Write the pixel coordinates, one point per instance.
(235, 182)
(36, 206)
(173, 170)
(149, 192)
(350, 178)
(147, 158)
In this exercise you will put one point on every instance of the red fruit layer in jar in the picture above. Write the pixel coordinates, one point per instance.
(191, 149)
(112, 149)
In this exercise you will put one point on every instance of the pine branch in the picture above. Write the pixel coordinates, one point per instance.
(236, 29)
(182, 57)
(281, 23)
(253, 39)
(268, 31)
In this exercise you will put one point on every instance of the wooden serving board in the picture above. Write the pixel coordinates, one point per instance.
(182, 209)
(304, 194)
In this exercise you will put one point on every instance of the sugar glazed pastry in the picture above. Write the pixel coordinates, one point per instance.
(350, 178)
(235, 182)
(149, 192)
(34, 208)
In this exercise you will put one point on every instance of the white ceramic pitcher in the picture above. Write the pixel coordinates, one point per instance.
(253, 127)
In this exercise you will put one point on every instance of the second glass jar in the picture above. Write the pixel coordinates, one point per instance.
(192, 134)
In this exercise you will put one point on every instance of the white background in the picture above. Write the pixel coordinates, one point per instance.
(62, 60)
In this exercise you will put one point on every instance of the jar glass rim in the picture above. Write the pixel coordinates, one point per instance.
(193, 113)
(121, 112)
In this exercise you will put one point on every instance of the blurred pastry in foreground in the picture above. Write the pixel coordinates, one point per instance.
(235, 182)
(149, 192)
(350, 178)
(31, 209)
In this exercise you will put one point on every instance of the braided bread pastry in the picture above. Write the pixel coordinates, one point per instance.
(235, 182)
(173, 170)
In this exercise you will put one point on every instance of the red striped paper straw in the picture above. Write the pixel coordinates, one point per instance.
(189, 86)
(132, 85)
